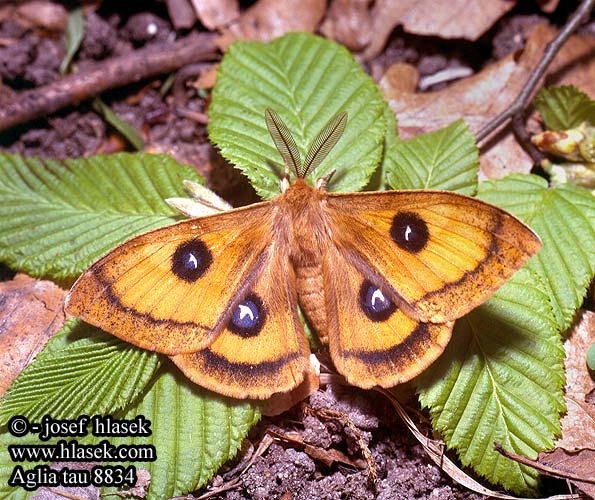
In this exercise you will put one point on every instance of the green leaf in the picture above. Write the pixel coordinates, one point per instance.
(564, 107)
(500, 379)
(564, 218)
(194, 433)
(7, 466)
(75, 31)
(307, 80)
(58, 217)
(591, 357)
(127, 130)
(97, 374)
(167, 84)
(193, 430)
(391, 137)
(444, 159)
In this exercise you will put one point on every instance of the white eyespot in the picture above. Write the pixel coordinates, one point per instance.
(375, 305)
(248, 318)
(378, 296)
(192, 260)
(408, 232)
(152, 28)
(245, 311)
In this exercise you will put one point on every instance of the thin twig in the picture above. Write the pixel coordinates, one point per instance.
(552, 48)
(543, 468)
(105, 75)
(524, 138)
(62, 493)
(345, 420)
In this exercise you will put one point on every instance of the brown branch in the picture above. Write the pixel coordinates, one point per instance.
(106, 75)
(523, 137)
(552, 48)
(542, 468)
(345, 420)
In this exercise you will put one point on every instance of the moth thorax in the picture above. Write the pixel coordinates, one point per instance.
(310, 289)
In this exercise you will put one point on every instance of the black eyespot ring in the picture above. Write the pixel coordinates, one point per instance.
(409, 231)
(375, 304)
(191, 260)
(248, 318)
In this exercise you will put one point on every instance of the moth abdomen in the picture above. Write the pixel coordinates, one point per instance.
(310, 290)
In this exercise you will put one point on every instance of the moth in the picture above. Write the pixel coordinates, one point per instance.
(382, 276)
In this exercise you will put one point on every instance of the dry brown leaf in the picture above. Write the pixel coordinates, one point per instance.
(181, 13)
(580, 463)
(141, 487)
(31, 311)
(215, 14)
(479, 98)
(268, 19)
(349, 22)
(575, 65)
(399, 78)
(548, 6)
(282, 401)
(42, 14)
(327, 456)
(206, 78)
(455, 19)
(578, 425)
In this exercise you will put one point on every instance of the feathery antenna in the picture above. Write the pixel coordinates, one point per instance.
(321, 146)
(283, 140)
(324, 142)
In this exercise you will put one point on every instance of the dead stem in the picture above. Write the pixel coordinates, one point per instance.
(111, 73)
(542, 468)
(342, 417)
(521, 102)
